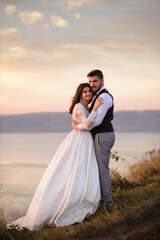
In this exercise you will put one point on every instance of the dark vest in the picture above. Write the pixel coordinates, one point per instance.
(106, 125)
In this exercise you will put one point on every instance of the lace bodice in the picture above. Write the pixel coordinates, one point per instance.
(81, 115)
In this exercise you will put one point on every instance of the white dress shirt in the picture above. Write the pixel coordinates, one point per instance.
(101, 111)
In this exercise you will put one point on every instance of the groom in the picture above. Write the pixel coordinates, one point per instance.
(102, 132)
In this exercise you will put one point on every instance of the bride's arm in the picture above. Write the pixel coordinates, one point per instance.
(87, 121)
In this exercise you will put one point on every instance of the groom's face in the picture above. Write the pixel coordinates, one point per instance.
(95, 82)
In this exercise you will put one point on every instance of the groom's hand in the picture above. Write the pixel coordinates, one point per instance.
(74, 124)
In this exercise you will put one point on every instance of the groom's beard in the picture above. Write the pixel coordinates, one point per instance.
(97, 89)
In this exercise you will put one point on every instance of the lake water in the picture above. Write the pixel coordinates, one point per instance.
(25, 156)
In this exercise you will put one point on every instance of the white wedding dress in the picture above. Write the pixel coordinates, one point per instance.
(69, 189)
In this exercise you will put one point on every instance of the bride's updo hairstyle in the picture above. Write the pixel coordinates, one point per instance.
(77, 97)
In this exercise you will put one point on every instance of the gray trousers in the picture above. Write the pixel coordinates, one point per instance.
(103, 142)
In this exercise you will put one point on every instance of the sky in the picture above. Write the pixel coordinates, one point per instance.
(47, 47)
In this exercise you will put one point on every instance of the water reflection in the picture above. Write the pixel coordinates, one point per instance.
(24, 158)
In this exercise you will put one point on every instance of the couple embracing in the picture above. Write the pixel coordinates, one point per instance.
(77, 180)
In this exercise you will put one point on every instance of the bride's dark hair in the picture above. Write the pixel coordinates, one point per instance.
(77, 96)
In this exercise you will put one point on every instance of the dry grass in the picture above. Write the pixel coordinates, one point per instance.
(134, 216)
(148, 167)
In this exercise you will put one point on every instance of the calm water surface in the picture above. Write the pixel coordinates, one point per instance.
(25, 156)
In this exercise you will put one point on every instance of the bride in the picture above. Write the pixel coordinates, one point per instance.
(69, 189)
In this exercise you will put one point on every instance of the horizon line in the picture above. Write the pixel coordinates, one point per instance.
(28, 113)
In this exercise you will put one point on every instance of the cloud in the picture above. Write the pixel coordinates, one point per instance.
(80, 3)
(103, 23)
(10, 10)
(123, 45)
(77, 16)
(71, 4)
(46, 25)
(10, 35)
(17, 52)
(139, 25)
(30, 17)
(58, 21)
(12, 2)
(8, 31)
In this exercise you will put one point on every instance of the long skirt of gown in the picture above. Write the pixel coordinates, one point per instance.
(69, 189)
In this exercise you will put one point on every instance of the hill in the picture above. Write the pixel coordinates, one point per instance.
(61, 122)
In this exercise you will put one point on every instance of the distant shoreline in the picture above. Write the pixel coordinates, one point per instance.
(124, 121)
(64, 112)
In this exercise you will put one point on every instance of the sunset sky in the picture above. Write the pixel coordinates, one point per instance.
(47, 47)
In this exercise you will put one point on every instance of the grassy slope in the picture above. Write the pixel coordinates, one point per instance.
(135, 213)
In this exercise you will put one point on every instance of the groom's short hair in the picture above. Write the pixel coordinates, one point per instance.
(95, 72)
